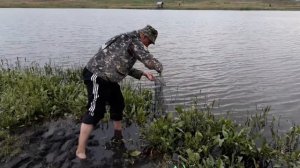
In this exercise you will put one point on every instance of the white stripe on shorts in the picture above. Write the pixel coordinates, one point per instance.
(95, 93)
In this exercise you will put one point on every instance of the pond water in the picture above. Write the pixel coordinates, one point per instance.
(242, 59)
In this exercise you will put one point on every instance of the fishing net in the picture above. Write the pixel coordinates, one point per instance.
(159, 107)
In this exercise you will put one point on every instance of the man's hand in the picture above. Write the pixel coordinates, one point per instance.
(149, 76)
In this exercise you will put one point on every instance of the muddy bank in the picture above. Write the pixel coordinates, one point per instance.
(53, 145)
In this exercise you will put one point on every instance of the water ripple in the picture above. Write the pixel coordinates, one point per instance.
(211, 55)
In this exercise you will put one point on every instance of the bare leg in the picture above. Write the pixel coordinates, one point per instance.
(118, 125)
(85, 132)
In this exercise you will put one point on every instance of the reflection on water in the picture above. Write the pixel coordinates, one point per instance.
(242, 59)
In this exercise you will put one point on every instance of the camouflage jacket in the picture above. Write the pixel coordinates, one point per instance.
(115, 60)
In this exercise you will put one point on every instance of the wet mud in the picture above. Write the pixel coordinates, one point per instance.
(53, 145)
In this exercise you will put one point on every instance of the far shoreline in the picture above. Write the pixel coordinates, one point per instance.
(166, 9)
(175, 5)
(273, 10)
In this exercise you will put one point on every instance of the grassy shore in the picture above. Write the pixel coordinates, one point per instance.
(32, 95)
(151, 4)
(189, 137)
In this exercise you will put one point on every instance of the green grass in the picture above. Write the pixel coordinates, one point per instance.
(10, 145)
(150, 4)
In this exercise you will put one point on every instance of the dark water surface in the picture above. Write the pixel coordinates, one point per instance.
(242, 59)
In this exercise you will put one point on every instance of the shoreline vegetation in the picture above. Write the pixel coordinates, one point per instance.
(190, 137)
(151, 4)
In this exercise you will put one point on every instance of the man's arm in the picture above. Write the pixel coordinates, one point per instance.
(143, 55)
(138, 74)
(135, 73)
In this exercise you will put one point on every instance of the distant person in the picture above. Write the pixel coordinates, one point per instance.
(113, 62)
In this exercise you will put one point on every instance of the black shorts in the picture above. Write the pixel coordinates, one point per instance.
(102, 93)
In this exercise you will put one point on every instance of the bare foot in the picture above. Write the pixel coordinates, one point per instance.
(81, 155)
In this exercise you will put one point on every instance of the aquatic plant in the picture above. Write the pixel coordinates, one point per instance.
(34, 94)
(200, 139)
(137, 103)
